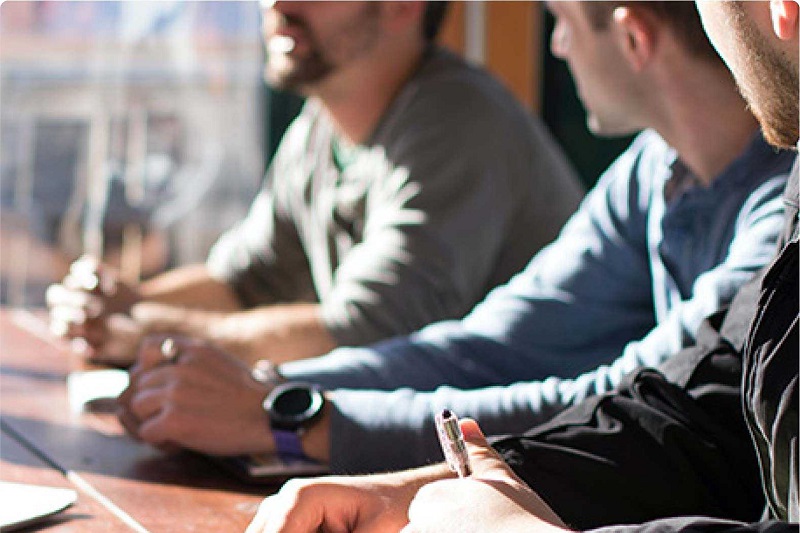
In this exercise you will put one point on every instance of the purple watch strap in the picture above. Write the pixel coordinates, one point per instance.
(288, 446)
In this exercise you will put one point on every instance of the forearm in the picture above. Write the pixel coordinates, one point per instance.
(441, 353)
(190, 286)
(278, 333)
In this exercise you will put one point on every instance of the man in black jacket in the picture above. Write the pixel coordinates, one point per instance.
(709, 441)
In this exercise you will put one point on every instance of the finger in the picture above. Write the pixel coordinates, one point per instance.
(92, 275)
(149, 354)
(146, 404)
(129, 422)
(68, 314)
(61, 296)
(484, 460)
(86, 262)
(86, 272)
(471, 430)
(159, 377)
(151, 351)
(82, 280)
(57, 294)
(59, 328)
(298, 508)
(68, 292)
(125, 397)
(159, 429)
(140, 381)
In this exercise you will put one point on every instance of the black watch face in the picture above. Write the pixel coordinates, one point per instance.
(294, 404)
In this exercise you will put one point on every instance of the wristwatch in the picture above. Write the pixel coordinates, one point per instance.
(291, 407)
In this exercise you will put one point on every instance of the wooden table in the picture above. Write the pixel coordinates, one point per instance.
(123, 485)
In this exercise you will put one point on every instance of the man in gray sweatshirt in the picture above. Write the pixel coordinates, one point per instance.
(410, 185)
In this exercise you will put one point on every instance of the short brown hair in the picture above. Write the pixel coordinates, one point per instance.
(432, 19)
(682, 17)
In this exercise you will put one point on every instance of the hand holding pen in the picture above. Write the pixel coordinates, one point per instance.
(488, 496)
(491, 498)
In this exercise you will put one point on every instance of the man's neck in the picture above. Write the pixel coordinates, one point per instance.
(357, 98)
(706, 121)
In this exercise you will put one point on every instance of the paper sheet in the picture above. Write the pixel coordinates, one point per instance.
(95, 389)
(24, 505)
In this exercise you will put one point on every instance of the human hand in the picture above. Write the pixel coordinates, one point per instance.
(92, 304)
(493, 498)
(362, 504)
(202, 399)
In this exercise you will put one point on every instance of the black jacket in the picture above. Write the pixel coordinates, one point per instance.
(708, 441)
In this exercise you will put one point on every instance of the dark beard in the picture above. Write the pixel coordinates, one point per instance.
(349, 40)
(303, 71)
(308, 71)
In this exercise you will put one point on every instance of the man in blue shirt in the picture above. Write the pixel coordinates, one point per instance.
(681, 220)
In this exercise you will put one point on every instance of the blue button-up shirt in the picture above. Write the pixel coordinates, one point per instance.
(647, 256)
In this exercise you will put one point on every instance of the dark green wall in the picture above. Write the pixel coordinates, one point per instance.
(281, 108)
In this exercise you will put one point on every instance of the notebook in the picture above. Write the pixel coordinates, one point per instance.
(95, 390)
(270, 469)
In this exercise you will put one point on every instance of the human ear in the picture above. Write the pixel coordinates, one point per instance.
(636, 36)
(784, 18)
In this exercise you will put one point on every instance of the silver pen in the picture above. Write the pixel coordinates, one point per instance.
(452, 442)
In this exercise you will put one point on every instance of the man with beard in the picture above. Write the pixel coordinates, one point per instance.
(707, 442)
(410, 185)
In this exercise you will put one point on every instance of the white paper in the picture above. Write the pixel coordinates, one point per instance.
(24, 504)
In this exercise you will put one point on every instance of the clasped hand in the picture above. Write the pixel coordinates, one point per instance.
(203, 399)
(94, 305)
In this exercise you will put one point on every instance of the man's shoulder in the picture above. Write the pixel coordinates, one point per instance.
(447, 82)
(454, 105)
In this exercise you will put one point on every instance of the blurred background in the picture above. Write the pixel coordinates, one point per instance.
(139, 131)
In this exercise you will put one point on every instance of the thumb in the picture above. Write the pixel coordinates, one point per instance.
(485, 461)
(94, 276)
